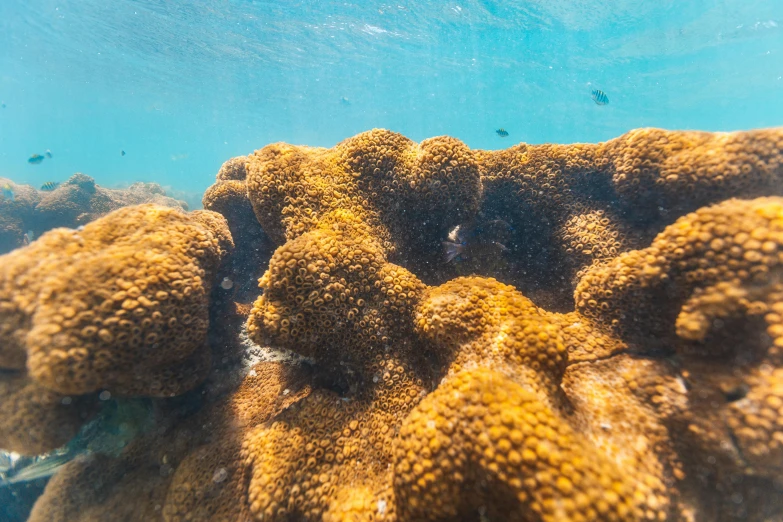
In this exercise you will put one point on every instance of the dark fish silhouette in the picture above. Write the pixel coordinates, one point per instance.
(600, 97)
(122, 153)
(48, 153)
(50, 185)
(35, 159)
(502, 132)
(477, 240)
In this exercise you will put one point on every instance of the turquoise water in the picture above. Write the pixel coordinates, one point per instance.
(182, 86)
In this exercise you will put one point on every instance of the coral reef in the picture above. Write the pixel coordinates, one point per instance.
(121, 305)
(16, 213)
(624, 364)
(73, 203)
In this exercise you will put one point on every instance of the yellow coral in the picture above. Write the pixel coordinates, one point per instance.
(90, 309)
(655, 399)
(483, 440)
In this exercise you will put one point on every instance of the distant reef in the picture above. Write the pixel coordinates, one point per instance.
(75, 202)
(310, 355)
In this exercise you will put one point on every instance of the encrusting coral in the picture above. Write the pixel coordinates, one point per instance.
(655, 394)
(121, 305)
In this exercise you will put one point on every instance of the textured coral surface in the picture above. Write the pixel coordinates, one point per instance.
(622, 362)
(121, 305)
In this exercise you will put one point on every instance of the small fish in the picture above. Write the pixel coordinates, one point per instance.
(118, 423)
(50, 185)
(122, 153)
(48, 153)
(345, 101)
(7, 191)
(35, 159)
(600, 97)
(503, 133)
(26, 469)
(477, 240)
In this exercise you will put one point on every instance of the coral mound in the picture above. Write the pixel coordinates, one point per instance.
(499, 433)
(121, 305)
(624, 363)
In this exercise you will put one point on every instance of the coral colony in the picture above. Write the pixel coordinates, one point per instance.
(622, 363)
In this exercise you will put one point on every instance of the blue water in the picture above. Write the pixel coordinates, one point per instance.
(183, 85)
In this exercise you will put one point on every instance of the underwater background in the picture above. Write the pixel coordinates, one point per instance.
(165, 92)
(182, 86)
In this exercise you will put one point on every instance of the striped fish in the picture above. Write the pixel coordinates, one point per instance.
(50, 185)
(502, 132)
(600, 97)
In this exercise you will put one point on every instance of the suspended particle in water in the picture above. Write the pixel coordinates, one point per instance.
(105, 395)
(226, 284)
(220, 475)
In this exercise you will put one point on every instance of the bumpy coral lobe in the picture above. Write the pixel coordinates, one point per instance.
(703, 292)
(582, 204)
(97, 304)
(409, 193)
(497, 432)
(328, 455)
(331, 293)
(210, 482)
(654, 170)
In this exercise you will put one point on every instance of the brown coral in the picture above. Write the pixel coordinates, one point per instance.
(409, 193)
(703, 291)
(193, 472)
(75, 202)
(16, 212)
(498, 432)
(657, 398)
(90, 309)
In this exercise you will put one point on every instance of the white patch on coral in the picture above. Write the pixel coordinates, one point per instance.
(255, 353)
